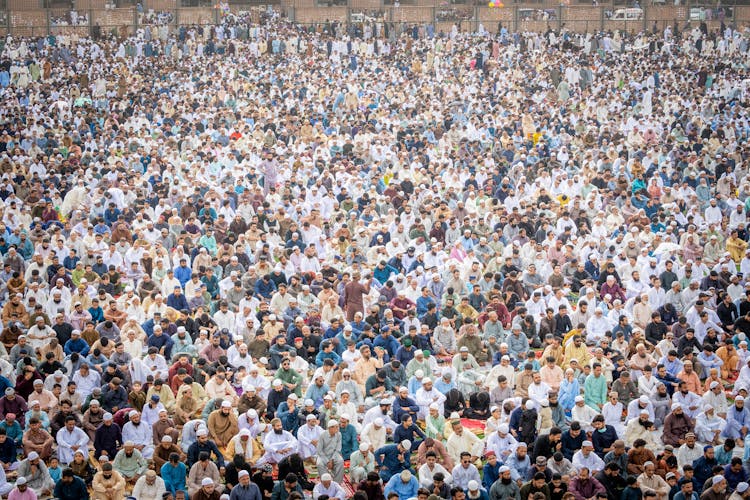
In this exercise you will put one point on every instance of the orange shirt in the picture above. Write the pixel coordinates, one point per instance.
(692, 381)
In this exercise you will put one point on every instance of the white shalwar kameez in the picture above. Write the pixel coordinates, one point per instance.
(140, 434)
(67, 439)
(278, 447)
(306, 435)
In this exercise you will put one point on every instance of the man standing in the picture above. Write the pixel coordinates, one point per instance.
(354, 291)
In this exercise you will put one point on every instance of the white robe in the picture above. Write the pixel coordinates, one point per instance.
(372, 436)
(141, 434)
(306, 435)
(375, 412)
(67, 439)
(137, 371)
(150, 416)
(503, 446)
(705, 427)
(426, 398)
(261, 384)
(584, 414)
(156, 367)
(426, 474)
(274, 443)
(86, 384)
(613, 416)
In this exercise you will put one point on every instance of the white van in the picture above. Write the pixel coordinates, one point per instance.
(627, 15)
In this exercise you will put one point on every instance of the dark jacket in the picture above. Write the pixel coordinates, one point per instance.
(76, 490)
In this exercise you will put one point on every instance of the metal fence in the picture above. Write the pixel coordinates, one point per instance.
(440, 16)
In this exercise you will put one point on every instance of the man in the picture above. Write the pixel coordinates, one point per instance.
(427, 395)
(584, 486)
(21, 491)
(405, 485)
(70, 487)
(108, 484)
(465, 471)
(703, 467)
(585, 457)
(37, 439)
(46, 399)
(327, 486)
(165, 449)
(505, 488)
(392, 459)
(208, 491)
(649, 479)
(676, 425)
(203, 445)
(432, 468)
(148, 487)
(718, 489)
(200, 471)
(738, 420)
(139, 433)
(283, 489)
(371, 486)
(222, 425)
(741, 492)
(329, 451)
(612, 480)
(37, 477)
(70, 439)
(519, 463)
(278, 444)
(461, 441)
(245, 490)
(686, 490)
(595, 388)
(108, 437)
(130, 463)
(361, 463)
(537, 485)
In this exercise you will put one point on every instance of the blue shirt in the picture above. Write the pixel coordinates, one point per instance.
(404, 490)
(404, 355)
(412, 433)
(76, 345)
(183, 274)
(322, 356)
(390, 459)
(519, 469)
(174, 476)
(249, 492)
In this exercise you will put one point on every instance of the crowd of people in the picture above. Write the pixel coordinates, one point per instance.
(267, 262)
